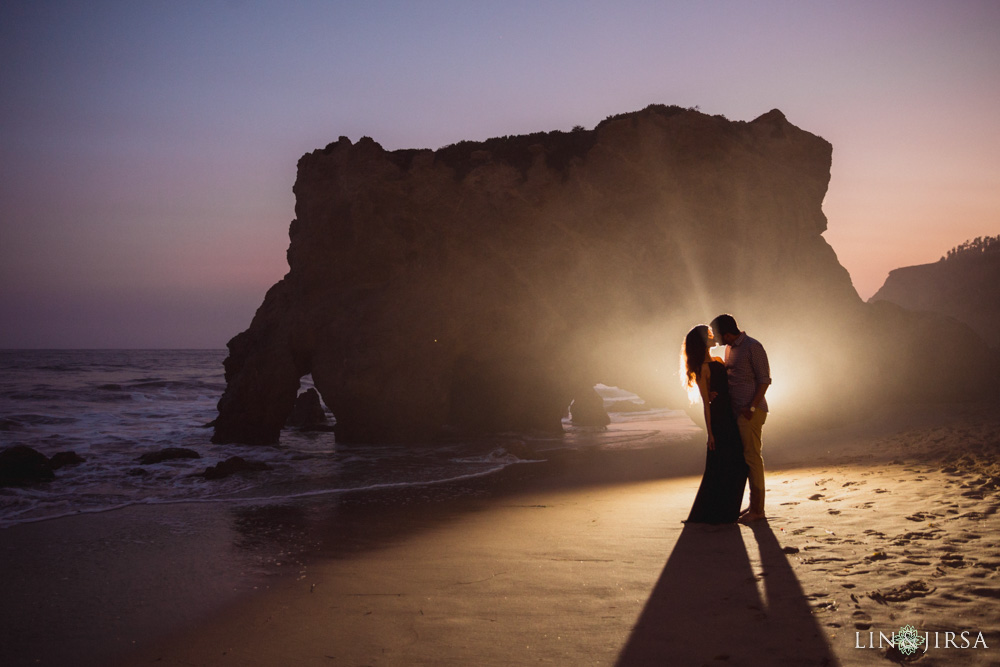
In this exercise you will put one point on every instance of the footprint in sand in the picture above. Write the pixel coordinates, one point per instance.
(953, 560)
(912, 589)
(816, 496)
(917, 535)
(914, 561)
(955, 597)
(822, 559)
(986, 592)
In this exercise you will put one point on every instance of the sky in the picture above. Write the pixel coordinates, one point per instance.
(148, 149)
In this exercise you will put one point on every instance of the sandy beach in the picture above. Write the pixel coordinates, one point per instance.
(872, 526)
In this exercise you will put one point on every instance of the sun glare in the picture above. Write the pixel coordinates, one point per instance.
(693, 393)
(783, 384)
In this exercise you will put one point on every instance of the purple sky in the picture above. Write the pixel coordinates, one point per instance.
(149, 148)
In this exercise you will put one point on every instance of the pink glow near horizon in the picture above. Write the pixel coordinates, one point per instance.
(149, 153)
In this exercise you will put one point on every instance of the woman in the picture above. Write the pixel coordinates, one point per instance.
(721, 490)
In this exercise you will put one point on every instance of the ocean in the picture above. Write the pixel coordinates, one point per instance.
(112, 406)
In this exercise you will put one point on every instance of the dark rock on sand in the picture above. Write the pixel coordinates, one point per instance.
(475, 288)
(233, 465)
(21, 464)
(65, 459)
(168, 454)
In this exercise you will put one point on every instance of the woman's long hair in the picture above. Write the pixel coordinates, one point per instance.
(693, 354)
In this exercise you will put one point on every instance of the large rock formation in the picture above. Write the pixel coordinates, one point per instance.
(965, 286)
(484, 286)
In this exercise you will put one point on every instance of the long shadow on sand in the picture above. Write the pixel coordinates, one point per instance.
(710, 607)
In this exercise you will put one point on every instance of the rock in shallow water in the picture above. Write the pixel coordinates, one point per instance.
(308, 412)
(63, 459)
(168, 454)
(588, 410)
(23, 465)
(233, 465)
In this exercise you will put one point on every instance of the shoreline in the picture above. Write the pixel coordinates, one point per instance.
(108, 581)
(591, 549)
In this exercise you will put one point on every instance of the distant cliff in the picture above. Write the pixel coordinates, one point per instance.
(487, 285)
(965, 285)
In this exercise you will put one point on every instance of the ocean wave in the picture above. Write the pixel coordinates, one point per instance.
(26, 420)
(37, 512)
(500, 455)
(11, 425)
(35, 395)
(116, 405)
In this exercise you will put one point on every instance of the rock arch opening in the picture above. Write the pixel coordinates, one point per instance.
(310, 413)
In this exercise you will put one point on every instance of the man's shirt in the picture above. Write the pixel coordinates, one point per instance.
(747, 367)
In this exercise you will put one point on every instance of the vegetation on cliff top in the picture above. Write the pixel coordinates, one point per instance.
(977, 247)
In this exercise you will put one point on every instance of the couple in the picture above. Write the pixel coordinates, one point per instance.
(732, 392)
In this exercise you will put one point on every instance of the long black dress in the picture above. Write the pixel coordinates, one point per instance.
(721, 490)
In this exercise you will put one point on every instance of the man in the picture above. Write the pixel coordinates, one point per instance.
(749, 377)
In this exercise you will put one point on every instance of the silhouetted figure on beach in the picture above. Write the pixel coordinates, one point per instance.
(749, 377)
(721, 490)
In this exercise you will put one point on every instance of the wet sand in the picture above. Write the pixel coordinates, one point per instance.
(580, 560)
